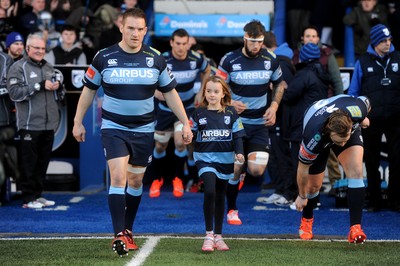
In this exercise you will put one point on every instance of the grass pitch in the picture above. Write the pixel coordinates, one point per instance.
(187, 251)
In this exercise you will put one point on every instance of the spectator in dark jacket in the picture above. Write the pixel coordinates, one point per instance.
(308, 85)
(69, 52)
(279, 169)
(362, 17)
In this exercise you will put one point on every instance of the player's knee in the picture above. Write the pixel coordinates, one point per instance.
(256, 171)
(312, 189)
(118, 180)
(356, 172)
(179, 144)
(257, 162)
(162, 139)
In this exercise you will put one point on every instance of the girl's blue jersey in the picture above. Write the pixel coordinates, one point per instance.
(214, 140)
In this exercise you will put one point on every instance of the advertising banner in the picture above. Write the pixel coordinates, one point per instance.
(206, 25)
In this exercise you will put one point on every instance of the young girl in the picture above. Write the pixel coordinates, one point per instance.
(218, 145)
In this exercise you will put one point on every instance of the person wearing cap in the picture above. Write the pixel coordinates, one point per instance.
(377, 76)
(329, 63)
(332, 123)
(15, 45)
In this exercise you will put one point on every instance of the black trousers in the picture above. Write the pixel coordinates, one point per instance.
(282, 166)
(372, 148)
(35, 153)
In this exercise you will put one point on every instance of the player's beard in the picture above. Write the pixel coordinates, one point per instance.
(250, 53)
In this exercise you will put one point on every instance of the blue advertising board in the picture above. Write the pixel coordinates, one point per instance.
(206, 25)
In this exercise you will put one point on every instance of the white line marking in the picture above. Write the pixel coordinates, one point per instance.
(76, 199)
(144, 251)
(56, 208)
(185, 237)
(265, 208)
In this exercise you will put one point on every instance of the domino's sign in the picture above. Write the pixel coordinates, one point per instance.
(206, 25)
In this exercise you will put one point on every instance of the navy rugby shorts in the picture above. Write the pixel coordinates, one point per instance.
(256, 139)
(119, 143)
(319, 165)
(166, 120)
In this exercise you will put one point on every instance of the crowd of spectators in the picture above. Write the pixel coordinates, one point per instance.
(95, 23)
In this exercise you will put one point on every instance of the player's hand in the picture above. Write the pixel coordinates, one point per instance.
(187, 134)
(239, 158)
(270, 117)
(300, 203)
(365, 123)
(239, 106)
(79, 132)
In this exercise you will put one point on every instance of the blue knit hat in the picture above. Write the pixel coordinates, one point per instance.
(13, 37)
(379, 33)
(309, 51)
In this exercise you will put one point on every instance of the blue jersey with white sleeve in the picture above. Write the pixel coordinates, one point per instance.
(129, 81)
(215, 133)
(313, 141)
(249, 80)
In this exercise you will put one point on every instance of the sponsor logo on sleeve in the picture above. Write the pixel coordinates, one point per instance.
(306, 155)
(354, 111)
(90, 73)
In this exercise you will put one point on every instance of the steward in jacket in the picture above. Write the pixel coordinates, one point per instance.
(377, 76)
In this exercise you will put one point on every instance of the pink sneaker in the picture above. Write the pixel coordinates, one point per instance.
(220, 244)
(208, 244)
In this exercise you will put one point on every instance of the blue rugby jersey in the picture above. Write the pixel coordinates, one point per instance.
(249, 80)
(129, 82)
(313, 142)
(185, 73)
(215, 133)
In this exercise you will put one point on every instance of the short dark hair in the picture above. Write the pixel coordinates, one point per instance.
(254, 28)
(180, 33)
(68, 27)
(270, 39)
(197, 46)
(310, 27)
(134, 12)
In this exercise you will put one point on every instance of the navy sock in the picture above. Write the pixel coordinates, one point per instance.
(116, 203)
(308, 210)
(355, 200)
(132, 206)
